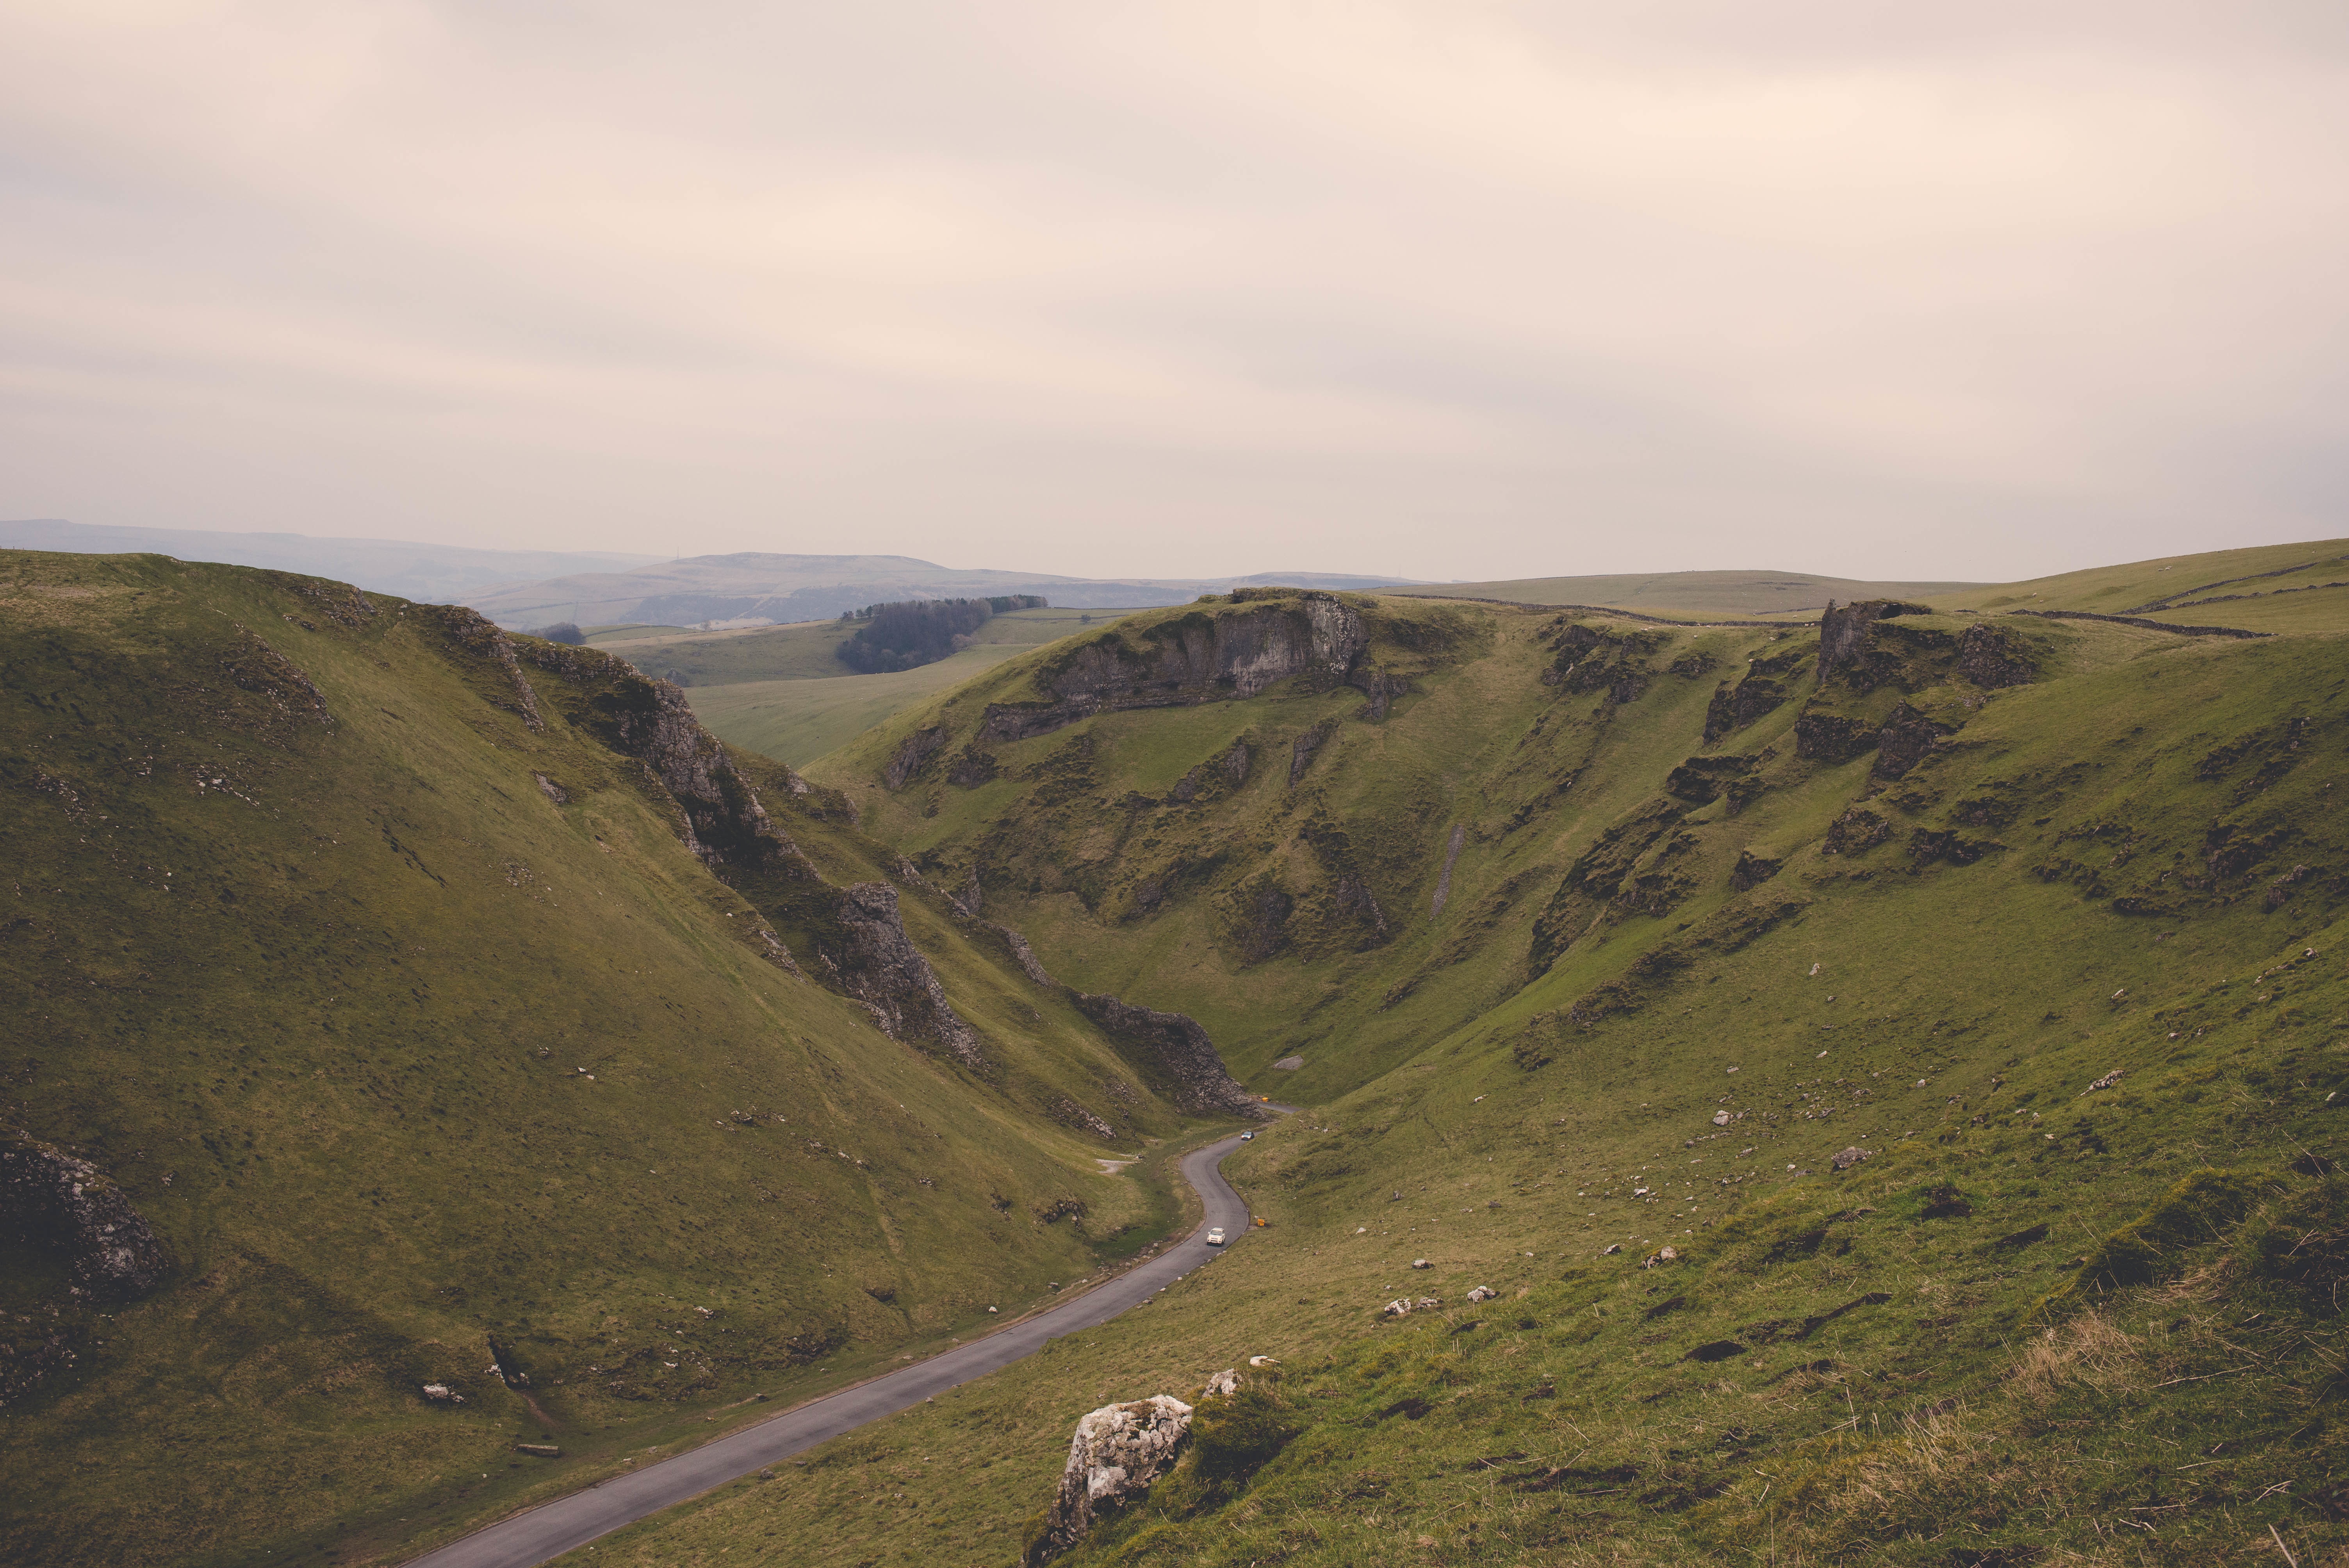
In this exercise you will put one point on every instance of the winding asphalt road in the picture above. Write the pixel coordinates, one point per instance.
(553, 1527)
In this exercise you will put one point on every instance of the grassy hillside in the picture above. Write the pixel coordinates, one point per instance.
(375, 966)
(1695, 595)
(2043, 917)
(783, 692)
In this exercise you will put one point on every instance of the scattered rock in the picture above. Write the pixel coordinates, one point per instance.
(1484, 1293)
(1421, 1263)
(1117, 1452)
(1851, 1157)
(1721, 1117)
(1659, 1256)
(1610, 1250)
(1289, 1064)
(1399, 1307)
(441, 1394)
(2109, 1080)
(1427, 1303)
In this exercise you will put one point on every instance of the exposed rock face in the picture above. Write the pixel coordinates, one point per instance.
(1990, 659)
(56, 1203)
(1301, 751)
(881, 967)
(1117, 1452)
(1858, 829)
(1171, 1050)
(971, 768)
(258, 668)
(1764, 690)
(1236, 764)
(1832, 737)
(1443, 878)
(1752, 871)
(1904, 741)
(918, 749)
(1200, 657)
(479, 635)
(1024, 956)
(1843, 633)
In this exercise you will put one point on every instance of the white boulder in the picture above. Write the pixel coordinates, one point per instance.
(1117, 1452)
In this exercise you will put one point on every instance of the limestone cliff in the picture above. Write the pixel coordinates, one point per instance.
(879, 965)
(1204, 656)
(1172, 1050)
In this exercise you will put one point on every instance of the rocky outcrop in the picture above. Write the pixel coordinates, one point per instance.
(52, 1203)
(1117, 1452)
(1844, 633)
(1204, 656)
(1907, 738)
(477, 636)
(1443, 878)
(1764, 690)
(1832, 737)
(1752, 871)
(1301, 749)
(1856, 831)
(1990, 658)
(913, 754)
(1173, 1052)
(1023, 955)
(879, 965)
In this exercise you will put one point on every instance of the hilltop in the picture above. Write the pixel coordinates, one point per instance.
(403, 1003)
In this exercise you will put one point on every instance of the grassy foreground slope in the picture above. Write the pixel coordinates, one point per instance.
(2044, 919)
(371, 963)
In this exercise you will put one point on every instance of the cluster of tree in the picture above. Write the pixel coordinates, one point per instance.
(921, 631)
(562, 631)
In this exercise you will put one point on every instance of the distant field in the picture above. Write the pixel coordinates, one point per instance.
(1693, 594)
(782, 692)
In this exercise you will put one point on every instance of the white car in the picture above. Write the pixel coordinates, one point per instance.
(1215, 1237)
(1247, 1138)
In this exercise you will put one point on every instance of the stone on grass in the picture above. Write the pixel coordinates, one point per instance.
(1851, 1157)
(1421, 1263)
(1117, 1452)
(1484, 1293)
(1226, 1381)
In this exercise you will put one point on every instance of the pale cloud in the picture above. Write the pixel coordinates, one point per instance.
(1451, 290)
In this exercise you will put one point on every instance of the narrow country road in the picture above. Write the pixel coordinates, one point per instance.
(553, 1527)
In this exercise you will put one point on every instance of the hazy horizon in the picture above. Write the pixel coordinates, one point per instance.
(1444, 293)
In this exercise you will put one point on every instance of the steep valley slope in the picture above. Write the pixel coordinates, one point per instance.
(393, 1003)
(1957, 994)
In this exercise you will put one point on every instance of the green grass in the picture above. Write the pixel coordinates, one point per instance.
(2149, 1358)
(1695, 596)
(399, 1053)
(2100, 1324)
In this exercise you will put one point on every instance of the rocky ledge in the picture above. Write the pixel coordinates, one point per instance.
(1173, 1050)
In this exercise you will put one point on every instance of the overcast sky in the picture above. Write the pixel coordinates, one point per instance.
(1445, 289)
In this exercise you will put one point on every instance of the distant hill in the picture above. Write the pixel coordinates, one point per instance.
(414, 571)
(1694, 593)
(755, 587)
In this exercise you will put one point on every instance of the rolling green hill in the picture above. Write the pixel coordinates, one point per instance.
(1856, 1092)
(443, 1002)
(1694, 594)
(1966, 1010)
